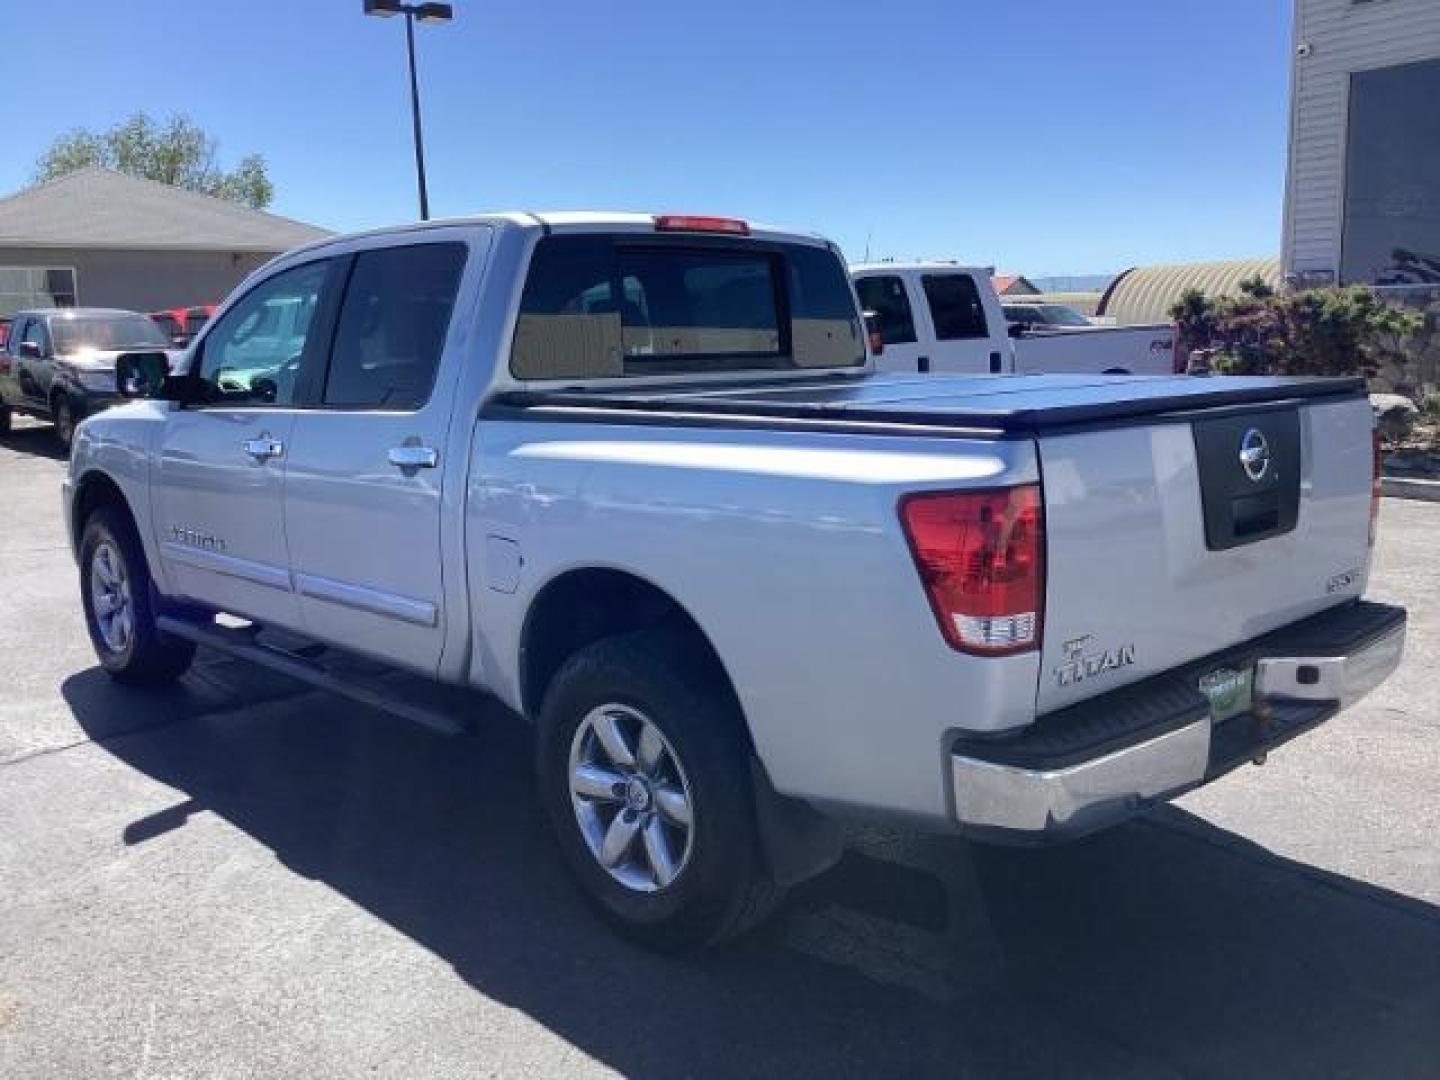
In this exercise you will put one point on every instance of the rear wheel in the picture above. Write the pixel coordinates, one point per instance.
(645, 776)
(119, 601)
(5, 419)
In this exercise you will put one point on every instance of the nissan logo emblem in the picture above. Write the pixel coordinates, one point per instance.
(1255, 454)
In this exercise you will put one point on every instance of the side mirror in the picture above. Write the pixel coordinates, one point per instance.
(30, 350)
(141, 374)
(874, 335)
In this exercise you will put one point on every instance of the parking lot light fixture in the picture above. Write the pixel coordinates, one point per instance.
(427, 13)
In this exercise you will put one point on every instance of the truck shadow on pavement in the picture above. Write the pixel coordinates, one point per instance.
(1164, 947)
(34, 440)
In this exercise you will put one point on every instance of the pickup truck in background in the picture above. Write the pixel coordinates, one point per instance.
(637, 478)
(58, 364)
(942, 317)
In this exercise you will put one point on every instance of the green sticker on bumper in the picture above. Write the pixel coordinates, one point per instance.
(1229, 692)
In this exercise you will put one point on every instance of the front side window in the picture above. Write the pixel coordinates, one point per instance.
(252, 356)
(955, 306)
(604, 307)
(1392, 177)
(14, 334)
(886, 297)
(36, 335)
(392, 326)
(90, 333)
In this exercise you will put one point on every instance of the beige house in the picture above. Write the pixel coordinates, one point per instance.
(106, 239)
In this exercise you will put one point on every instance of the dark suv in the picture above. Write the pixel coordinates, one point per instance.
(58, 364)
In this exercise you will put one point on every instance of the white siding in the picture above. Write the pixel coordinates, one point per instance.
(1342, 36)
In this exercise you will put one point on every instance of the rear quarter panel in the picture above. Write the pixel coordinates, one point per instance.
(786, 550)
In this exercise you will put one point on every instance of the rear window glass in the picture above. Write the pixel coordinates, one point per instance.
(595, 307)
(955, 306)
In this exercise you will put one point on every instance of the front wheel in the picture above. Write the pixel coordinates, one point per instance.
(645, 777)
(118, 597)
(64, 414)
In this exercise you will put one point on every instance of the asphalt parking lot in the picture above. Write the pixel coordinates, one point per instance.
(239, 877)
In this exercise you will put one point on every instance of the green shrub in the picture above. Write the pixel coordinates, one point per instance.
(1331, 331)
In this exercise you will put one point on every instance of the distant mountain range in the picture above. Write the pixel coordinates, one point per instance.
(1071, 282)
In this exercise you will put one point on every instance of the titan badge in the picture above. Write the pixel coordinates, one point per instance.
(1080, 665)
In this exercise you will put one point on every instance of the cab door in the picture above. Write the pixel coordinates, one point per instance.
(967, 337)
(218, 491)
(371, 460)
(889, 296)
(34, 364)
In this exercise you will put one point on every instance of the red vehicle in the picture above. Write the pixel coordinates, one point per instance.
(183, 323)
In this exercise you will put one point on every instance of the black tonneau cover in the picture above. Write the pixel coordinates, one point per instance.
(974, 404)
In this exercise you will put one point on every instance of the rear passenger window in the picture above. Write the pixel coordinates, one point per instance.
(886, 297)
(955, 306)
(392, 326)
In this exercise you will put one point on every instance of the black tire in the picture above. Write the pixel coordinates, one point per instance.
(723, 887)
(145, 656)
(63, 414)
(5, 419)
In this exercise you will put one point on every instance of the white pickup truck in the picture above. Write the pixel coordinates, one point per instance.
(943, 317)
(636, 477)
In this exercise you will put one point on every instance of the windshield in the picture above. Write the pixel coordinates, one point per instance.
(87, 332)
(1060, 315)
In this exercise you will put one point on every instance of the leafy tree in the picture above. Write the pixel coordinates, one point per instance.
(1330, 331)
(176, 152)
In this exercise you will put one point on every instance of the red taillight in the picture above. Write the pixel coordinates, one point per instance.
(1375, 486)
(700, 223)
(981, 557)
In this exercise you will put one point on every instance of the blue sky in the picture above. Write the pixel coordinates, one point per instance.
(1053, 136)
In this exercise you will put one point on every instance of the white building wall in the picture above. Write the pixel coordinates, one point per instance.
(1332, 39)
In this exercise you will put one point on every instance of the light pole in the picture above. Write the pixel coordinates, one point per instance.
(425, 13)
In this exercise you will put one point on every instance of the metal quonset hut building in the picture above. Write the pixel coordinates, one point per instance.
(105, 239)
(1145, 294)
(1362, 195)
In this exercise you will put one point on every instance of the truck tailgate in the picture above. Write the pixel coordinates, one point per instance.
(1170, 539)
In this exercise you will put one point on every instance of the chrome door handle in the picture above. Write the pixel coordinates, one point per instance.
(263, 448)
(414, 457)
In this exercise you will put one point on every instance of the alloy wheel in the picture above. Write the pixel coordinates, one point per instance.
(631, 797)
(110, 598)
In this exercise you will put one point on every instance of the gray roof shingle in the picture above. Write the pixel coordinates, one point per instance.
(99, 208)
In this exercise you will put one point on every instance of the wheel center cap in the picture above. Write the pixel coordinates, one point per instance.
(637, 794)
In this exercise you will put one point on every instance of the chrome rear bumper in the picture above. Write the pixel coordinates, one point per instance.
(999, 795)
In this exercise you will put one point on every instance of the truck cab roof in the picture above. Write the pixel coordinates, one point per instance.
(562, 221)
(938, 265)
